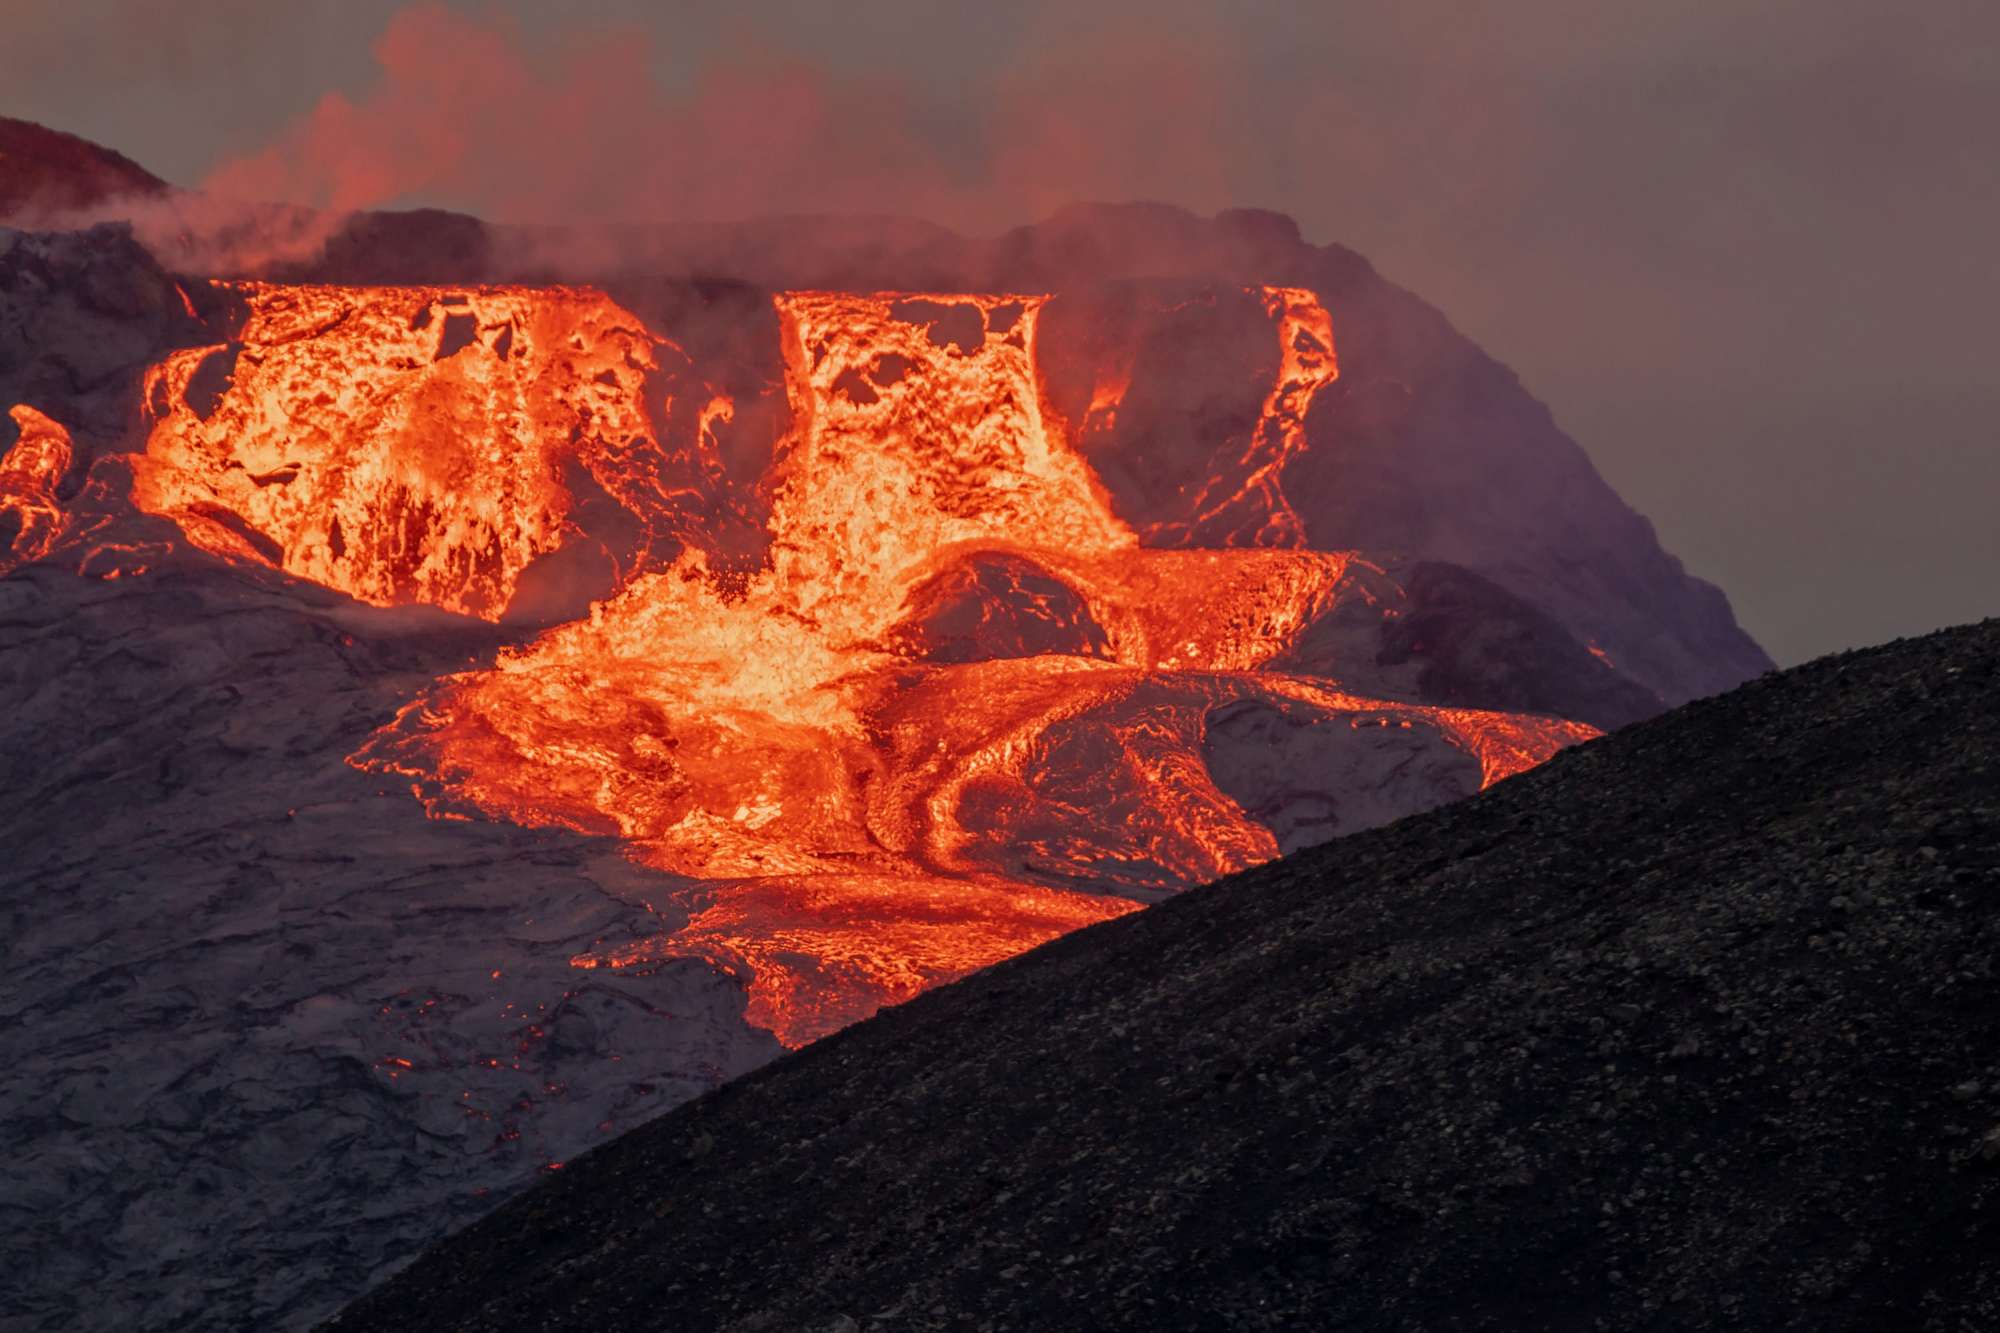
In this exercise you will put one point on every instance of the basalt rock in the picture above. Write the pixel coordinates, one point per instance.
(82, 315)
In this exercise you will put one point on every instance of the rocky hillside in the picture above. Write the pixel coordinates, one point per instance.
(82, 316)
(268, 1027)
(44, 173)
(1693, 1027)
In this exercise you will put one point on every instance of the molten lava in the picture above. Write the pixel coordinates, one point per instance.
(955, 705)
(422, 444)
(917, 428)
(959, 711)
(31, 517)
(1306, 365)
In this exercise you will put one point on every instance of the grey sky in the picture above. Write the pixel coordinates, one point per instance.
(1746, 251)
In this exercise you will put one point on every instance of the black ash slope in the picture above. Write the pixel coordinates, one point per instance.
(1694, 1027)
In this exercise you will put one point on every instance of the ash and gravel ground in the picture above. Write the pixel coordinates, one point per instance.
(1695, 1027)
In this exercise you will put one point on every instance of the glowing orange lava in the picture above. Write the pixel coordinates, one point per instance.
(958, 712)
(823, 951)
(917, 427)
(957, 707)
(419, 444)
(30, 515)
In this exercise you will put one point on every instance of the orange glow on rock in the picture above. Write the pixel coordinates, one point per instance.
(826, 951)
(31, 517)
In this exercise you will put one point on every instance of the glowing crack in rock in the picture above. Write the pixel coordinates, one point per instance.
(1240, 499)
(1245, 504)
(1306, 365)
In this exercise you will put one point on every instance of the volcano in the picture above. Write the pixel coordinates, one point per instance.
(463, 706)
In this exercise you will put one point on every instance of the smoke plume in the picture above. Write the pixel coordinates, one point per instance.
(465, 110)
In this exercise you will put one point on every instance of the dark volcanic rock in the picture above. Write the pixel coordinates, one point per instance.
(1309, 780)
(266, 1026)
(1693, 1027)
(1478, 646)
(45, 172)
(420, 245)
(1434, 449)
(1469, 643)
(82, 315)
(995, 605)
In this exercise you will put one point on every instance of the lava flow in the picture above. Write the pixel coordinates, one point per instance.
(960, 710)
(422, 444)
(30, 515)
(1245, 505)
(922, 695)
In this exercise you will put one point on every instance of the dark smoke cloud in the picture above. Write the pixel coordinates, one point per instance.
(1743, 249)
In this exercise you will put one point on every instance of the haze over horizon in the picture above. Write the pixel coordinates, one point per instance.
(1745, 258)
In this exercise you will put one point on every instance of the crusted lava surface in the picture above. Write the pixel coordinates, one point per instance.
(1691, 1027)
